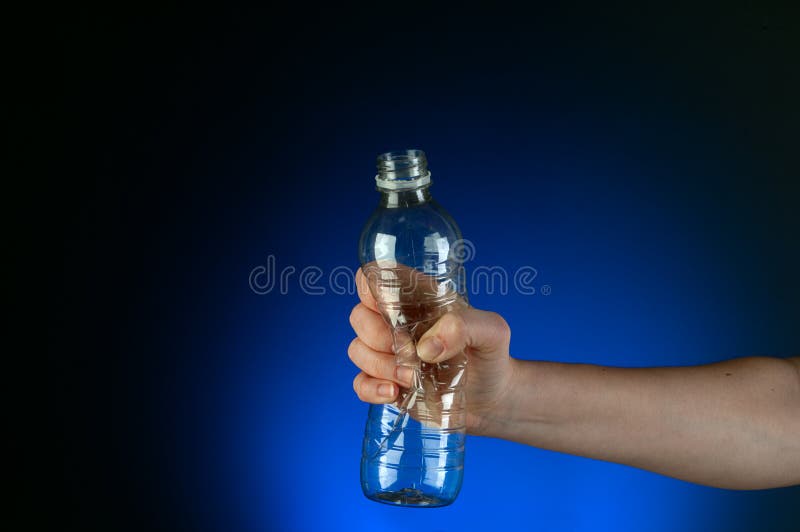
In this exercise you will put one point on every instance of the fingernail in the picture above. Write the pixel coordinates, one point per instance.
(404, 375)
(386, 390)
(429, 349)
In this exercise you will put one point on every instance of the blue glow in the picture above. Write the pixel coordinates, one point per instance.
(645, 171)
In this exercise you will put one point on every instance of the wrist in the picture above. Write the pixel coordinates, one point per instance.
(517, 407)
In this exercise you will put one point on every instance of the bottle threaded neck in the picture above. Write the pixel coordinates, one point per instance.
(402, 170)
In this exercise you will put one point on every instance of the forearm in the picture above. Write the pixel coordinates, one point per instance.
(734, 424)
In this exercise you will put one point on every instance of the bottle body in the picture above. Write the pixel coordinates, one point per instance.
(413, 450)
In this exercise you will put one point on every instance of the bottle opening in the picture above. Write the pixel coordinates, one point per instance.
(402, 170)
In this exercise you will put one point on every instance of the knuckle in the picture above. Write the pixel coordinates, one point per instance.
(358, 385)
(500, 326)
(454, 326)
(352, 348)
(354, 316)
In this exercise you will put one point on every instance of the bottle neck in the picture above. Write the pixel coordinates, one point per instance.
(393, 199)
(403, 178)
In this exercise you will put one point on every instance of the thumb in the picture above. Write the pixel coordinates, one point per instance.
(481, 331)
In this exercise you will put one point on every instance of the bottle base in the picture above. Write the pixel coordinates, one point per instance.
(409, 497)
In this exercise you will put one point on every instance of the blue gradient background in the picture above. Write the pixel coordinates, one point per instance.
(644, 163)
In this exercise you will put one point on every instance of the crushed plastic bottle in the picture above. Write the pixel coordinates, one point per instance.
(413, 450)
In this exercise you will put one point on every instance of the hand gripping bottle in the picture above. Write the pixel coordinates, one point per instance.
(410, 251)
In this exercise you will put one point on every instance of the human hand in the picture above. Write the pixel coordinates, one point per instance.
(483, 337)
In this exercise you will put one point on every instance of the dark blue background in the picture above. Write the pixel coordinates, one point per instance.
(645, 163)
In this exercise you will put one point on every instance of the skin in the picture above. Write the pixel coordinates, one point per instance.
(733, 424)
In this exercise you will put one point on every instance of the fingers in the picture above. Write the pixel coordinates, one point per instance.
(373, 363)
(481, 331)
(377, 364)
(378, 381)
(371, 329)
(372, 390)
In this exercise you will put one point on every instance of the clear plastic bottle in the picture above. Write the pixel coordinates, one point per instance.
(413, 451)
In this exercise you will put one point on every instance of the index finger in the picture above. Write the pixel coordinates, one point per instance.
(364, 292)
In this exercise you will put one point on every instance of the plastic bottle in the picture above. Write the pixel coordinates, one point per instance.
(413, 450)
